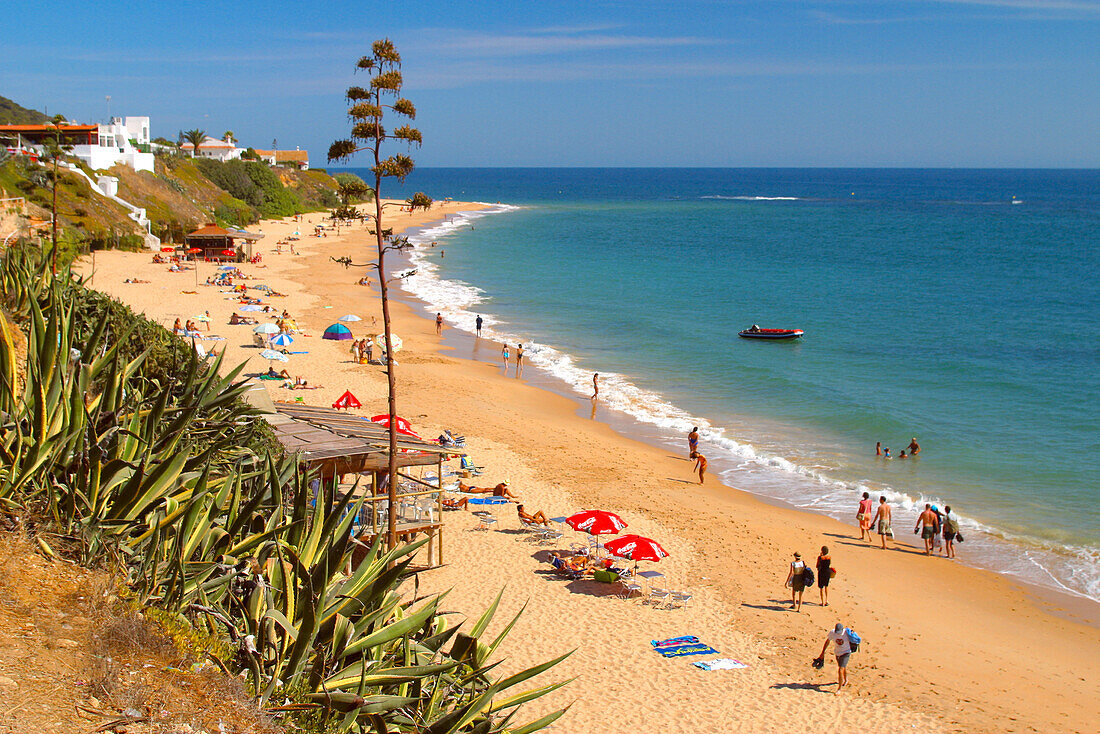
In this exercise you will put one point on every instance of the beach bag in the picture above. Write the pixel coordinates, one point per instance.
(604, 576)
(853, 640)
(958, 537)
(807, 576)
(832, 572)
(818, 663)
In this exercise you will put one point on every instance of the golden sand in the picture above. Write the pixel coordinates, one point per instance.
(946, 647)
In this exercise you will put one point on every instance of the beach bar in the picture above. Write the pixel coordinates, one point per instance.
(336, 444)
(214, 241)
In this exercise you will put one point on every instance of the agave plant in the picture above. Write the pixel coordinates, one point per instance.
(142, 456)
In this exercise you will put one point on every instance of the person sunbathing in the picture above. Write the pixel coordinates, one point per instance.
(537, 519)
(575, 564)
(282, 373)
(460, 504)
(501, 490)
(301, 384)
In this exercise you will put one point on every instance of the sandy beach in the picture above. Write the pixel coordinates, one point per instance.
(946, 647)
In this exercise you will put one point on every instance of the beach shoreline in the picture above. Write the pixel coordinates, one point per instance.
(987, 549)
(921, 666)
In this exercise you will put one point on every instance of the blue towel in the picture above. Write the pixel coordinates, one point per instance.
(697, 648)
(488, 501)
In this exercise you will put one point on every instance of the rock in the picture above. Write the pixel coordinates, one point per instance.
(66, 642)
(6, 682)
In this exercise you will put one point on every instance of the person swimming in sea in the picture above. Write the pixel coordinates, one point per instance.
(914, 447)
(886, 453)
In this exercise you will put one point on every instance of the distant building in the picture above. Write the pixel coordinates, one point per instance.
(122, 140)
(296, 158)
(219, 150)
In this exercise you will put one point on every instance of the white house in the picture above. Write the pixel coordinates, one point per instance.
(219, 150)
(296, 158)
(122, 140)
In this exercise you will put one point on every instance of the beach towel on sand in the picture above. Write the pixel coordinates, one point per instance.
(719, 664)
(678, 651)
(673, 641)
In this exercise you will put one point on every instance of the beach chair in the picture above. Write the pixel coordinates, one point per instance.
(485, 521)
(467, 464)
(658, 597)
(679, 599)
(564, 571)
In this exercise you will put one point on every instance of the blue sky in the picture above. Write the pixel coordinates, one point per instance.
(692, 83)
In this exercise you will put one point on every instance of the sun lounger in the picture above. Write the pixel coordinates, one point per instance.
(679, 598)
(562, 569)
(467, 464)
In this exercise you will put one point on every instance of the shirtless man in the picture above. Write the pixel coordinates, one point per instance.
(914, 447)
(693, 441)
(537, 519)
(883, 516)
(700, 464)
(931, 525)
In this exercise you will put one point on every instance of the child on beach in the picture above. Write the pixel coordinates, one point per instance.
(700, 464)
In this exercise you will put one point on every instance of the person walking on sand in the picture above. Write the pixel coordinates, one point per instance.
(519, 359)
(863, 517)
(438, 323)
(504, 355)
(693, 441)
(478, 325)
(842, 649)
(950, 531)
(700, 464)
(595, 385)
(931, 524)
(914, 447)
(797, 581)
(824, 573)
(882, 518)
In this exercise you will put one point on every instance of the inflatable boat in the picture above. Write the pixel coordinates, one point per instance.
(770, 333)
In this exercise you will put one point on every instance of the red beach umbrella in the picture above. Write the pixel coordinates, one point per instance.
(596, 522)
(229, 253)
(636, 548)
(403, 426)
(167, 249)
(194, 251)
(347, 400)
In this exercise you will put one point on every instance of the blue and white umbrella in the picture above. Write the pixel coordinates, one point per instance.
(282, 340)
(267, 329)
(272, 355)
(349, 318)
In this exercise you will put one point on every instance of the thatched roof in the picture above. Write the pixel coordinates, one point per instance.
(343, 442)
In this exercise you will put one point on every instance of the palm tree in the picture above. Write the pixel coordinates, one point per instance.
(229, 137)
(195, 137)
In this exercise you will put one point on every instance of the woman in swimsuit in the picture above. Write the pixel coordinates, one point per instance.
(504, 355)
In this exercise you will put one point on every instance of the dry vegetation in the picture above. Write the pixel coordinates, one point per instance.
(76, 657)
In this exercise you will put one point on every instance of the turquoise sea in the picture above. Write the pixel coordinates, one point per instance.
(959, 307)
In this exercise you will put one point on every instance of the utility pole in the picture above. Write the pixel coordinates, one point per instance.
(108, 109)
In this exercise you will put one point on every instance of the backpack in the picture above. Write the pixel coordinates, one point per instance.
(853, 640)
(807, 576)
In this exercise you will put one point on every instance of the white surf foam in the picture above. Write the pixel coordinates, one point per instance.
(752, 198)
(1073, 569)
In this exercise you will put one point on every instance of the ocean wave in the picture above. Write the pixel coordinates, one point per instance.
(752, 198)
(1073, 569)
